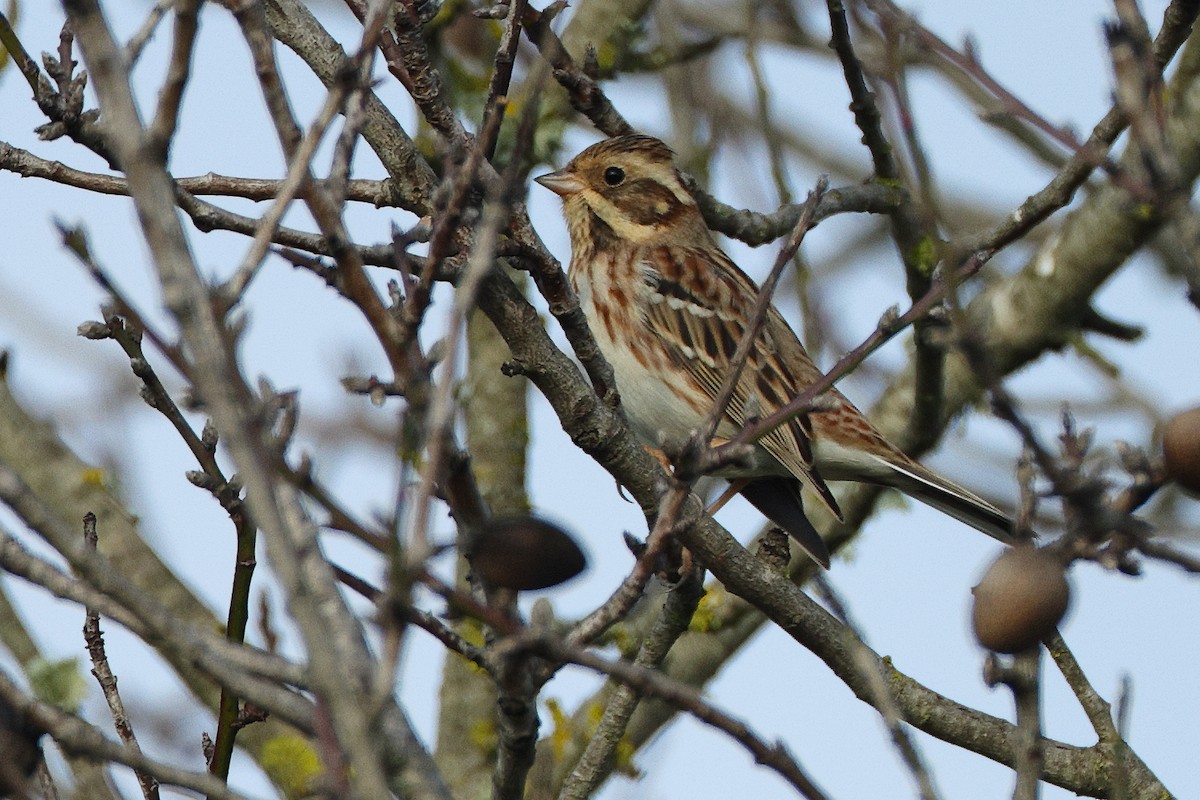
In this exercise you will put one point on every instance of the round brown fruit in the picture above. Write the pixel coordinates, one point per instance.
(525, 553)
(1181, 449)
(1020, 599)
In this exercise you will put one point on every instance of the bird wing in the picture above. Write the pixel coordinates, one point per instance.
(699, 305)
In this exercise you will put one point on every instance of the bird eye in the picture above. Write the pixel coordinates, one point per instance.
(614, 175)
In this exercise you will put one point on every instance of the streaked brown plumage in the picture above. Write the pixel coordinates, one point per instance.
(668, 308)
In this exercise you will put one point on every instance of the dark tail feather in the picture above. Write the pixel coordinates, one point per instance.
(779, 501)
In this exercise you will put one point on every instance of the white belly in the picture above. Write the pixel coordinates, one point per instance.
(656, 412)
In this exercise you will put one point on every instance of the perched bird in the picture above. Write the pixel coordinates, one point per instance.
(668, 309)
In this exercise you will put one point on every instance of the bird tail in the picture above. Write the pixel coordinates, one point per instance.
(948, 497)
(778, 499)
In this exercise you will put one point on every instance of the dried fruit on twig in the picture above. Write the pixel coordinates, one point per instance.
(525, 553)
(1181, 449)
(1020, 599)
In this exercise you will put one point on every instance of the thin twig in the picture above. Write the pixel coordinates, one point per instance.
(137, 43)
(862, 101)
(968, 65)
(1177, 26)
(585, 93)
(441, 410)
(127, 333)
(76, 737)
(882, 699)
(1120, 747)
(254, 674)
(1021, 676)
(666, 523)
(914, 229)
(1097, 709)
(597, 760)
(293, 183)
(502, 71)
(654, 684)
(46, 781)
(101, 670)
(166, 117)
(758, 317)
(25, 63)
(888, 326)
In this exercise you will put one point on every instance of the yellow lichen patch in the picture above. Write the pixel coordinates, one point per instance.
(93, 476)
(708, 612)
(58, 682)
(472, 631)
(1144, 212)
(923, 256)
(292, 765)
(560, 734)
(624, 759)
(620, 636)
(484, 737)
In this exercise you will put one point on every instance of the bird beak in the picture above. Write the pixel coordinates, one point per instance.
(561, 183)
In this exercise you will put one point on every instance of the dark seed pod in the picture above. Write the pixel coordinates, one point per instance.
(1181, 449)
(1021, 598)
(525, 553)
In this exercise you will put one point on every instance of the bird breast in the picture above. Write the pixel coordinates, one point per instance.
(657, 406)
